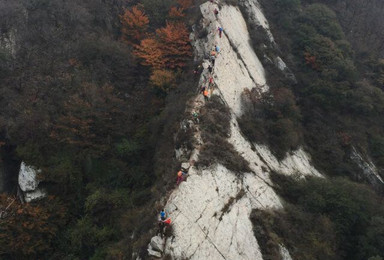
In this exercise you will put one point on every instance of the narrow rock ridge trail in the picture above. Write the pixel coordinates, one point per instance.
(211, 210)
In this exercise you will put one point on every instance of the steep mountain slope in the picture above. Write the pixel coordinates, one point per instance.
(210, 211)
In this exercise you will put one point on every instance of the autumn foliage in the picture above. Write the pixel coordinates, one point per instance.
(151, 52)
(27, 230)
(174, 40)
(176, 13)
(169, 48)
(134, 24)
(163, 51)
(163, 79)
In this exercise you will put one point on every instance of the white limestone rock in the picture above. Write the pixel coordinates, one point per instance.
(284, 253)
(210, 211)
(281, 64)
(237, 67)
(202, 229)
(369, 170)
(153, 253)
(34, 195)
(157, 244)
(185, 165)
(256, 16)
(28, 180)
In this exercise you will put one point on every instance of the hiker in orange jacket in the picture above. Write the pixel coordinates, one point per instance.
(179, 177)
(206, 93)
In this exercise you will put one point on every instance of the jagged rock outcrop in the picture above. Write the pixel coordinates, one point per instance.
(285, 255)
(8, 42)
(157, 243)
(368, 169)
(210, 211)
(28, 183)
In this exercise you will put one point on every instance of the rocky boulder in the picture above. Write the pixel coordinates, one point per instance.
(29, 182)
(154, 253)
(157, 244)
(28, 178)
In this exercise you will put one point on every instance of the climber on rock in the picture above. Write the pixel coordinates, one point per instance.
(206, 93)
(161, 228)
(210, 69)
(220, 31)
(210, 80)
(202, 89)
(162, 215)
(217, 48)
(216, 12)
(179, 177)
(213, 59)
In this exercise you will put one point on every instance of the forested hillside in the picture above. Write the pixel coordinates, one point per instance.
(84, 94)
(334, 107)
(335, 103)
(97, 96)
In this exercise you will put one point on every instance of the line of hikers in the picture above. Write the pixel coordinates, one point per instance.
(205, 89)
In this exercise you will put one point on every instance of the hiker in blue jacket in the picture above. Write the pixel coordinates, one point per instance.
(162, 215)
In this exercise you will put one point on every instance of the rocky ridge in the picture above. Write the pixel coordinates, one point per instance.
(210, 211)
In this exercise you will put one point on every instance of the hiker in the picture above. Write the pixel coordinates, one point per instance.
(161, 228)
(162, 215)
(210, 69)
(213, 59)
(210, 80)
(180, 174)
(216, 12)
(206, 95)
(217, 48)
(167, 222)
(220, 31)
(202, 89)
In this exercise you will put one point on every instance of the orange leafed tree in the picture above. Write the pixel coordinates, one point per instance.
(176, 13)
(174, 41)
(150, 50)
(134, 24)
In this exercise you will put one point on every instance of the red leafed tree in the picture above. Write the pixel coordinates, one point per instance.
(134, 24)
(174, 41)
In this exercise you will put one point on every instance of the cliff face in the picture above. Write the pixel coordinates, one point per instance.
(210, 211)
